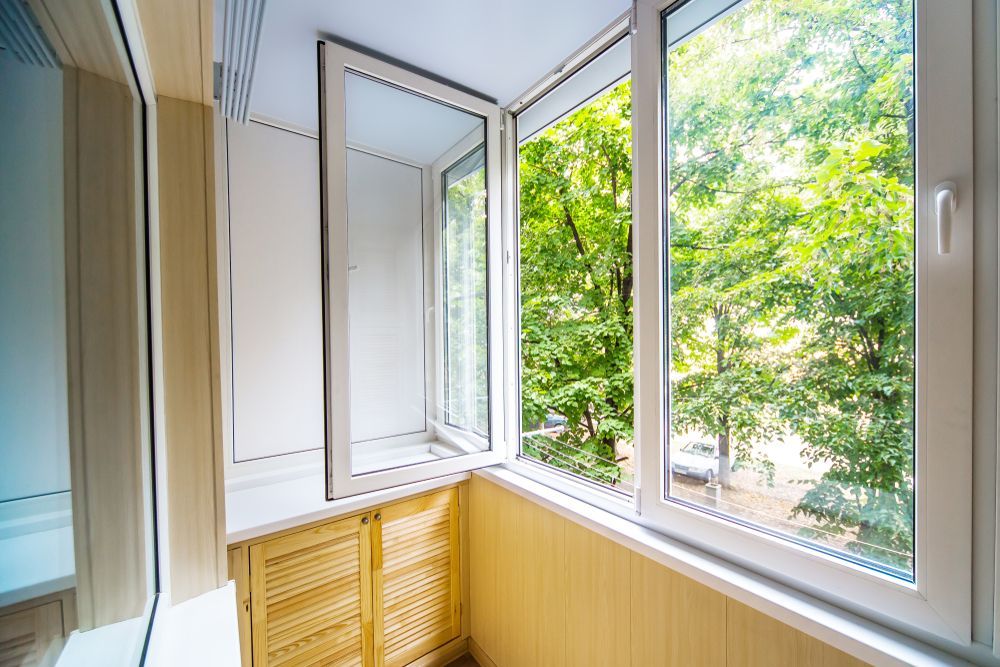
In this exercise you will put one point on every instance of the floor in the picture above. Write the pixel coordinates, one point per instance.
(464, 661)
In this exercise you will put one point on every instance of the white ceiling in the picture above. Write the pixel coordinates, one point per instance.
(498, 48)
(400, 124)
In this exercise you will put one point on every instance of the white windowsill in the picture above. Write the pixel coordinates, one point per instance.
(859, 637)
(199, 631)
(255, 511)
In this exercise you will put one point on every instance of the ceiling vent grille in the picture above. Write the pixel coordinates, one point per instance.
(22, 38)
(240, 37)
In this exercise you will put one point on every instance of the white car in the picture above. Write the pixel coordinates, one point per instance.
(696, 459)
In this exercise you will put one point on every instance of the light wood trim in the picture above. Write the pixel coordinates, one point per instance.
(465, 576)
(479, 655)
(178, 37)
(370, 568)
(84, 35)
(193, 449)
(105, 354)
(443, 655)
(546, 591)
(373, 623)
(239, 571)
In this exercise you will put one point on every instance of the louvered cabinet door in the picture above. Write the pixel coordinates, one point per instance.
(310, 596)
(416, 580)
(33, 636)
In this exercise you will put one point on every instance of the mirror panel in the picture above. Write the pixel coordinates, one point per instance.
(76, 517)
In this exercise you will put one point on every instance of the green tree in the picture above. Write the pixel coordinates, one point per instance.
(576, 286)
(790, 190)
(792, 237)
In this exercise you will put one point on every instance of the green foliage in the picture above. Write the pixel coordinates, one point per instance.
(576, 286)
(791, 278)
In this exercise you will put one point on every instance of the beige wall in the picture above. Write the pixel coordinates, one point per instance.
(546, 591)
(195, 513)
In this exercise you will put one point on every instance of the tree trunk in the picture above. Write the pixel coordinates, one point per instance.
(725, 468)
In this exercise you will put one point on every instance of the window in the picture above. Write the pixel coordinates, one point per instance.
(465, 306)
(575, 261)
(809, 417)
(791, 272)
(409, 198)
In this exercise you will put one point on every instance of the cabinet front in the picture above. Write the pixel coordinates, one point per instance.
(311, 596)
(416, 577)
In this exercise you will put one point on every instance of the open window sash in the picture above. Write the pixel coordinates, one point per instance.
(411, 275)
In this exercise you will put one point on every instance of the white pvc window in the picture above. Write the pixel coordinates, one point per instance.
(410, 193)
(803, 338)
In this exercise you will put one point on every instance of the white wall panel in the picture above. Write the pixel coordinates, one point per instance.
(34, 432)
(385, 241)
(276, 293)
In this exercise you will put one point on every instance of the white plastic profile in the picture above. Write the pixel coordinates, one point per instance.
(945, 203)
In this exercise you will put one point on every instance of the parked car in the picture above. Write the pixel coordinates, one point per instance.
(696, 459)
(554, 421)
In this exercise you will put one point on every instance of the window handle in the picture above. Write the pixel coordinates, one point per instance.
(945, 203)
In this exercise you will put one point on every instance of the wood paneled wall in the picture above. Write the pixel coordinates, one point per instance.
(179, 43)
(546, 591)
(191, 381)
(105, 353)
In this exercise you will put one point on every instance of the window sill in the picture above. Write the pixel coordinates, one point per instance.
(859, 637)
(268, 508)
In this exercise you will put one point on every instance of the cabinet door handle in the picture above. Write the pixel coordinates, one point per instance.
(364, 521)
(378, 516)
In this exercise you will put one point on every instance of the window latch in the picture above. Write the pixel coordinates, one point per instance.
(945, 203)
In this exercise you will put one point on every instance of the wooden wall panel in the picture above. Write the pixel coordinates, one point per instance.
(83, 36)
(179, 41)
(105, 354)
(598, 599)
(754, 639)
(195, 489)
(518, 579)
(676, 621)
(547, 591)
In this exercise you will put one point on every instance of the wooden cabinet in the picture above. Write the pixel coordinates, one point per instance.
(33, 632)
(382, 588)
(310, 596)
(418, 595)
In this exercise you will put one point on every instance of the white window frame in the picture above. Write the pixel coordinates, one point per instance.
(939, 603)
(593, 492)
(334, 61)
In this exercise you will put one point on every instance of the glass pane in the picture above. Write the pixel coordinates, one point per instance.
(400, 269)
(75, 417)
(34, 384)
(466, 394)
(576, 280)
(791, 270)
